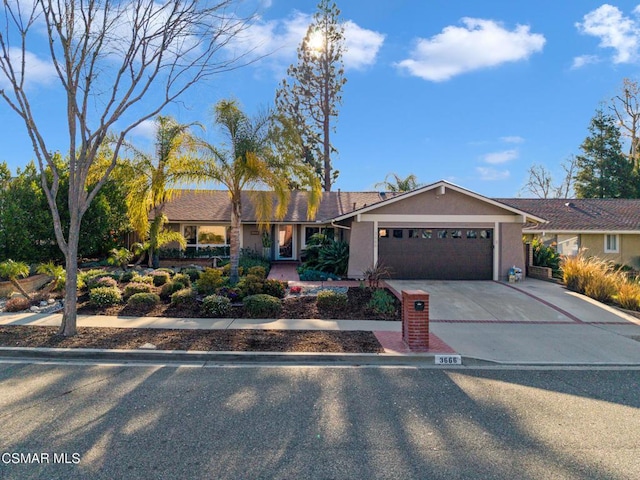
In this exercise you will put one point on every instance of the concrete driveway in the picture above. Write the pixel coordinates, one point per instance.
(531, 321)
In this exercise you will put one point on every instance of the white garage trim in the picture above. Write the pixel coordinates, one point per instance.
(496, 252)
(452, 219)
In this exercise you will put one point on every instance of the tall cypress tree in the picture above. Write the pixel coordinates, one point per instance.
(602, 170)
(312, 95)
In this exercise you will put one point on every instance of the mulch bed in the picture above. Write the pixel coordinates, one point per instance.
(292, 307)
(194, 340)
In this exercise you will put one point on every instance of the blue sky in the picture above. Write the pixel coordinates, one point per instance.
(467, 91)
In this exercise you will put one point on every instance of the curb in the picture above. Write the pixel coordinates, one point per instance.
(233, 358)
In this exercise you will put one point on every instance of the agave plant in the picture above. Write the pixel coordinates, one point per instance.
(334, 257)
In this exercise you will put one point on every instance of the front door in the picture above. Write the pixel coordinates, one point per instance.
(286, 239)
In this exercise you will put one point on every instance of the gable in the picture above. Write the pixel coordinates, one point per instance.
(432, 202)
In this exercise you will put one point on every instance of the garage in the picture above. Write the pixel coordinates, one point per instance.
(437, 253)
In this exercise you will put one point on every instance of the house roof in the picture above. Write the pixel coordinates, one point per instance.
(530, 216)
(214, 206)
(592, 215)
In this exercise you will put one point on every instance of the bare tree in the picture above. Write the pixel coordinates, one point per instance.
(117, 64)
(540, 182)
(626, 107)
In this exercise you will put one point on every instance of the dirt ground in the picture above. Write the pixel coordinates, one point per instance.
(194, 340)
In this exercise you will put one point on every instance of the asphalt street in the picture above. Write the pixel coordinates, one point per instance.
(154, 422)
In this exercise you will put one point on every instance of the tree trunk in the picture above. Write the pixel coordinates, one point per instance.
(22, 291)
(234, 251)
(68, 327)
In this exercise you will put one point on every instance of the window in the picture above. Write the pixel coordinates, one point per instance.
(383, 233)
(397, 234)
(472, 234)
(206, 235)
(414, 233)
(442, 234)
(456, 233)
(611, 244)
(310, 231)
(485, 233)
(426, 234)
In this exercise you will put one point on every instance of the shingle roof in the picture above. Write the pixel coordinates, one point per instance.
(214, 205)
(577, 215)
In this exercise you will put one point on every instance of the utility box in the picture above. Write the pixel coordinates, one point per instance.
(415, 320)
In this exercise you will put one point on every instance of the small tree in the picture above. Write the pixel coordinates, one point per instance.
(314, 93)
(540, 182)
(111, 58)
(12, 270)
(399, 184)
(52, 270)
(252, 161)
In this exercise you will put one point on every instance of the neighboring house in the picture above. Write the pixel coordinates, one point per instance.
(439, 231)
(605, 228)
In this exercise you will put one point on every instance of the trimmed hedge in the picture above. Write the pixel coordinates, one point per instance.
(328, 300)
(144, 300)
(105, 296)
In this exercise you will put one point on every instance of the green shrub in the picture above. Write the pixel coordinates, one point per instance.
(127, 276)
(105, 296)
(310, 275)
(262, 306)
(226, 270)
(185, 298)
(275, 288)
(143, 301)
(192, 273)
(251, 258)
(17, 304)
(209, 281)
(232, 293)
(334, 258)
(183, 278)
(170, 288)
(88, 278)
(250, 285)
(216, 306)
(134, 287)
(544, 256)
(104, 282)
(329, 300)
(259, 271)
(382, 302)
(160, 278)
(170, 271)
(137, 278)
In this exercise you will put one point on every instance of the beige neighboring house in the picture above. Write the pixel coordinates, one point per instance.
(604, 228)
(438, 231)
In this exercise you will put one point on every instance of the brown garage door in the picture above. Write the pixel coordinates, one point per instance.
(438, 254)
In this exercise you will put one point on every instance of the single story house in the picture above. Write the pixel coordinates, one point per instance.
(606, 228)
(438, 231)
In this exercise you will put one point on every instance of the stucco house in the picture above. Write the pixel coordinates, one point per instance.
(606, 228)
(439, 231)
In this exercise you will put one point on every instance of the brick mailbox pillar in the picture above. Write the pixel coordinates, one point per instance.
(415, 320)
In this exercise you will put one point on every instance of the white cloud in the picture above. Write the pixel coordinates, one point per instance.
(479, 44)
(496, 158)
(583, 60)
(614, 30)
(147, 130)
(512, 139)
(39, 71)
(277, 41)
(491, 174)
(362, 46)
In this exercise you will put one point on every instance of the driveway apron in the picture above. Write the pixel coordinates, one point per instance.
(528, 322)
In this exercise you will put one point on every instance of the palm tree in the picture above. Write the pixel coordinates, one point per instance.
(399, 184)
(12, 270)
(151, 179)
(263, 155)
(57, 273)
